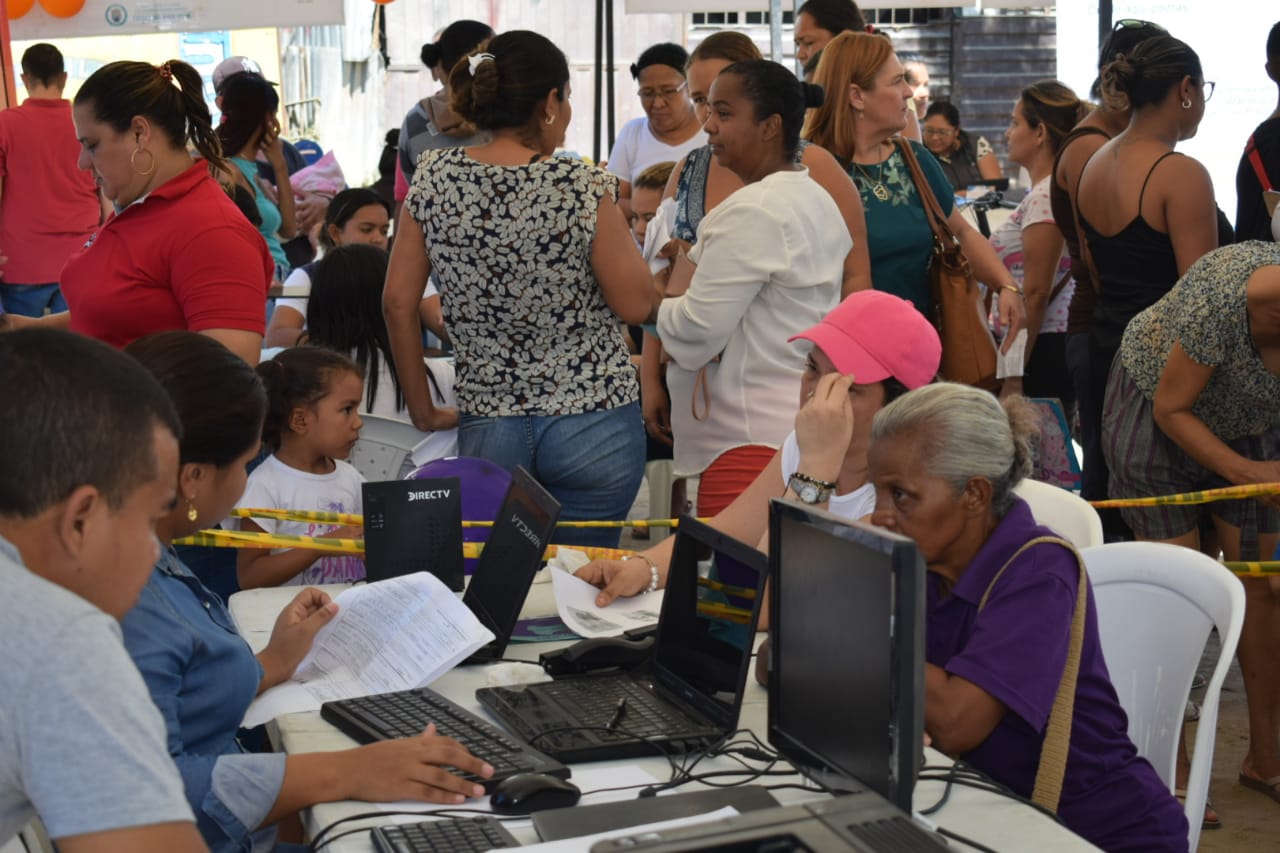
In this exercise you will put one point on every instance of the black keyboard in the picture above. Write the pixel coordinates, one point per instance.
(645, 714)
(387, 716)
(449, 835)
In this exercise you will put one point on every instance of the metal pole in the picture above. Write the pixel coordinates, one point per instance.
(598, 93)
(1106, 9)
(775, 30)
(608, 68)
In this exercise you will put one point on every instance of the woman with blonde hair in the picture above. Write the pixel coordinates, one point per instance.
(868, 99)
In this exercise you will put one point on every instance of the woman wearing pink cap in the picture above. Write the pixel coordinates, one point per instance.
(869, 350)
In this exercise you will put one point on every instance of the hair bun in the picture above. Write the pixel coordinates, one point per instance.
(430, 54)
(635, 71)
(814, 95)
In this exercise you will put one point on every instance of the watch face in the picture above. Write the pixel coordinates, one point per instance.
(808, 493)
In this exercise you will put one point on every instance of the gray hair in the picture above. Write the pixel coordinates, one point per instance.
(963, 432)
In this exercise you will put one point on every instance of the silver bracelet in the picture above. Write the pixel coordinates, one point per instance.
(653, 572)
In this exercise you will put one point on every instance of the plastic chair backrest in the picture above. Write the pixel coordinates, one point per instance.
(1064, 512)
(1156, 605)
(382, 453)
(484, 485)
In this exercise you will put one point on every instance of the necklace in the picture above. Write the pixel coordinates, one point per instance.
(878, 189)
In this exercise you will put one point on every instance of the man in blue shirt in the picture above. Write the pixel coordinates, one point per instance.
(88, 462)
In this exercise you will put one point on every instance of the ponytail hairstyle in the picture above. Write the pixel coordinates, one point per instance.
(774, 90)
(513, 73)
(1052, 105)
(849, 58)
(118, 91)
(728, 45)
(963, 432)
(1144, 76)
(219, 398)
(454, 42)
(248, 100)
(344, 312)
(301, 376)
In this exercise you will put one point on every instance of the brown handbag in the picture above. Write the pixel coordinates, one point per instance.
(968, 350)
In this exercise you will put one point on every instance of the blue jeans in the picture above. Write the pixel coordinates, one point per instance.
(31, 300)
(591, 463)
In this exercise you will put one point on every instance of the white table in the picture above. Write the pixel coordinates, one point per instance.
(995, 821)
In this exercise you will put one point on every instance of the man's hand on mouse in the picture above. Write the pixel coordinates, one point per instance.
(414, 769)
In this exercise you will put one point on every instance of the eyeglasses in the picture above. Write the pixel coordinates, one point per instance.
(941, 132)
(1207, 86)
(1136, 24)
(668, 94)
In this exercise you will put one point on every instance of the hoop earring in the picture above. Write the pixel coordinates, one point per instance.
(550, 119)
(133, 161)
(1186, 104)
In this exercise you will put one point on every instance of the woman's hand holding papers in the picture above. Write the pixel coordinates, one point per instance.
(616, 578)
(294, 631)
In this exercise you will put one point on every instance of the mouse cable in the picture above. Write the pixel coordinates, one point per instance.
(968, 842)
(962, 773)
(323, 838)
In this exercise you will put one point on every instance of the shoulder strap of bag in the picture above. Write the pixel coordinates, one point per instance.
(1255, 160)
(933, 210)
(1057, 737)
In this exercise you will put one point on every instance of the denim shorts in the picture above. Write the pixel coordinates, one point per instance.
(592, 463)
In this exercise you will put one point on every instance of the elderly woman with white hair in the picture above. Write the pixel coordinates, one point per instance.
(1000, 600)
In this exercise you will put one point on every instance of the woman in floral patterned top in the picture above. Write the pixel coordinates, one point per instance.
(536, 269)
(1192, 403)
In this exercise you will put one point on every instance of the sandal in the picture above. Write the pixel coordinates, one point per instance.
(1212, 820)
(1270, 787)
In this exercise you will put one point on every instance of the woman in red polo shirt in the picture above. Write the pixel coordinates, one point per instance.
(177, 253)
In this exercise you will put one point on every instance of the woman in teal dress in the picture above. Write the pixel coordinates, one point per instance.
(249, 104)
(858, 129)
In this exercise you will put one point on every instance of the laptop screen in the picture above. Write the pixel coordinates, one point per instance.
(511, 557)
(846, 685)
(708, 623)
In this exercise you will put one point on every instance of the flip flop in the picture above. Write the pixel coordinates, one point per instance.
(1211, 818)
(1270, 787)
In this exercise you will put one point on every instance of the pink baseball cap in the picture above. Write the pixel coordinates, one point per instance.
(875, 335)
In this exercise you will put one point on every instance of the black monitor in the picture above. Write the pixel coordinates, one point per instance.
(846, 627)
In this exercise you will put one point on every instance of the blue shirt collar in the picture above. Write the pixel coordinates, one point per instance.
(11, 552)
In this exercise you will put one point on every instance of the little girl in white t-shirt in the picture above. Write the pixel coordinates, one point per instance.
(313, 421)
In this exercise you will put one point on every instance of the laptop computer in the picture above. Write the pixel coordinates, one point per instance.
(511, 557)
(689, 694)
(414, 526)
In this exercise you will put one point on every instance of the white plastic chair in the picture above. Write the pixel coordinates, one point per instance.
(1156, 604)
(1066, 513)
(382, 453)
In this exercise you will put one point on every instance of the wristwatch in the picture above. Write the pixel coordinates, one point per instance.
(809, 489)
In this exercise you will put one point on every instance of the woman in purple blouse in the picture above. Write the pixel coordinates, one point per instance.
(944, 460)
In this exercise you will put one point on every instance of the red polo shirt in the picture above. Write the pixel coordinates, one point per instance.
(184, 257)
(49, 206)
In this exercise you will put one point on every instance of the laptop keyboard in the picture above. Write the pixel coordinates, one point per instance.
(597, 702)
(451, 835)
(386, 716)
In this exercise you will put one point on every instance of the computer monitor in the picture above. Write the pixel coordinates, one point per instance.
(846, 623)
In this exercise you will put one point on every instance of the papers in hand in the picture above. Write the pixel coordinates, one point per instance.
(392, 635)
(656, 235)
(576, 604)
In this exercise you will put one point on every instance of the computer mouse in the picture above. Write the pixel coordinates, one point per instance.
(532, 792)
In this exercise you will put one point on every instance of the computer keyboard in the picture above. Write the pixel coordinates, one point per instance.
(449, 835)
(597, 700)
(386, 716)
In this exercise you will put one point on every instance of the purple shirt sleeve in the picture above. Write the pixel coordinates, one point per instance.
(1017, 648)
